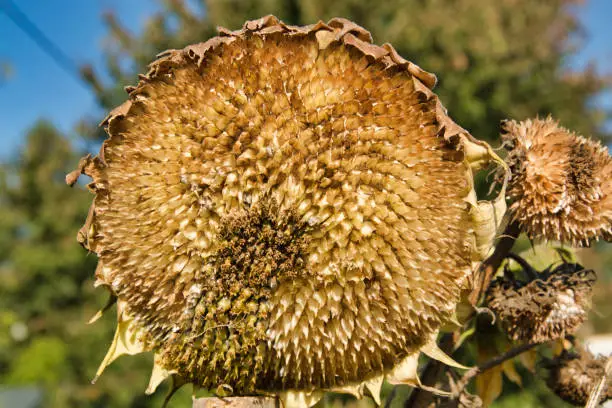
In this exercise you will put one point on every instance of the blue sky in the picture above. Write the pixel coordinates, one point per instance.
(39, 88)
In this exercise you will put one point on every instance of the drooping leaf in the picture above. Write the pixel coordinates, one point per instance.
(509, 370)
(489, 385)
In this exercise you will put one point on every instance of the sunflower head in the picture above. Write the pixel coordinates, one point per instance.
(550, 306)
(285, 209)
(573, 375)
(561, 183)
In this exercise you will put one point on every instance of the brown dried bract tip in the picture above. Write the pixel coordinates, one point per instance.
(286, 210)
(573, 376)
(550, 306)
(561, 183)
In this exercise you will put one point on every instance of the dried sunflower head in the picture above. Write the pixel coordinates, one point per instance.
(573, 375)
(285, 209)
(550, 306)
(560, 182)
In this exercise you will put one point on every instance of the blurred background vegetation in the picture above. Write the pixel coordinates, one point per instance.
(494, 60)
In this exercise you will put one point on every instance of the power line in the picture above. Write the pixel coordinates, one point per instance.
(26, 25)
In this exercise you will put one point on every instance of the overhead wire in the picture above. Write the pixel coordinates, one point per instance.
(17, 16)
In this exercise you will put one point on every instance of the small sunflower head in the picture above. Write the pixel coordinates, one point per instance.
(561, 183)
(573, 376)
(285, 209)
(550, 306)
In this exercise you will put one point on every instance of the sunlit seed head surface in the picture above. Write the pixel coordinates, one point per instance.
(561, 183)
(283, 208)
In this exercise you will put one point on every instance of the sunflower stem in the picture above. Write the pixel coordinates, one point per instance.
(531, 273)
(474, 371)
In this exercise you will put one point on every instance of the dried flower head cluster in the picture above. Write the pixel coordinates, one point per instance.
(550, 306)
(285, 209)
(573, 376)
(561, 183)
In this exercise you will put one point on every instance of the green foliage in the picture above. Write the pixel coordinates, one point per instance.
(43, 361)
